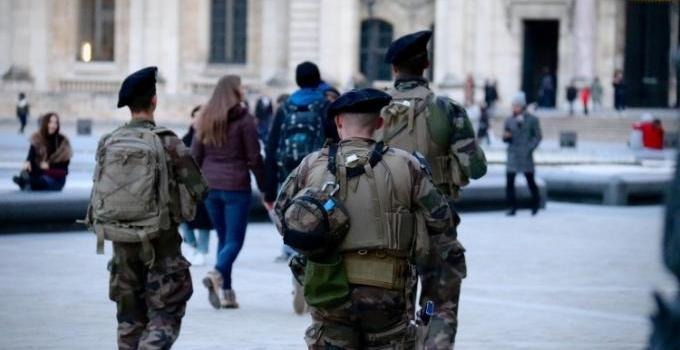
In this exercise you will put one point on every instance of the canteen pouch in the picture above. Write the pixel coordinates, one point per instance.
(377, 270)
(326, 284)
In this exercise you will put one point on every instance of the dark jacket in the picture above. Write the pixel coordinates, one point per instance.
(202, 220)
(56, 152)
(228, 167)
(300, 97)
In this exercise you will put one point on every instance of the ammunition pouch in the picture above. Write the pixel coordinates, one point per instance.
(448, 175)
(326, 284)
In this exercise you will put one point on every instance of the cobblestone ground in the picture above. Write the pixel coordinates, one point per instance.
(574, 277)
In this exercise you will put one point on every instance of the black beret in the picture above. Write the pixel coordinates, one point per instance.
(408, 46)
(359, 101)
(138, 83)
(307, 75)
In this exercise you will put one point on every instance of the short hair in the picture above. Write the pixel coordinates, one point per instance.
(142, 102)
(414, 66)
(361, 120)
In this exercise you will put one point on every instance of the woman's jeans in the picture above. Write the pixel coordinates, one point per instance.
(46, 183)
(190, 238)
(229, 213)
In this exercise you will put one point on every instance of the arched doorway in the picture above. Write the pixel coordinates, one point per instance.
(376, 36)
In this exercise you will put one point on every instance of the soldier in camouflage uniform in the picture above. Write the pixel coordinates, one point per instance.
(396, 213)
(151, 288)
(437, 127)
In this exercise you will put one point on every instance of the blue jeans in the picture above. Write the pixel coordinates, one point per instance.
(46, 183)
(190, 238)
(229, 213)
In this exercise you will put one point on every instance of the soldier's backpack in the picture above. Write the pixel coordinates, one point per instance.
(302, 133)
(414, 121)
(130, 195)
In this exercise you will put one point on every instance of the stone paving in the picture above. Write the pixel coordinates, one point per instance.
(574, 277)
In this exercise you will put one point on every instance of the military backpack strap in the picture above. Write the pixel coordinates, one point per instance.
(332, 159)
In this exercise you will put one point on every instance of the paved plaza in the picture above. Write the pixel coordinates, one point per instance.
(574, 277)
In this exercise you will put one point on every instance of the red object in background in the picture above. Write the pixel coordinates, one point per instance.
(652, 134)
(585, 95)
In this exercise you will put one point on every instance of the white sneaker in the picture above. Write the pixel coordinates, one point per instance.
(199, 259)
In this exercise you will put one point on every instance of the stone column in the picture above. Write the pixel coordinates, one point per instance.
(339, 40)
(303, 35)
(449, 35)
(274, 58)
(584, 29)
(39, 43)
(137, 48)
(170, 45)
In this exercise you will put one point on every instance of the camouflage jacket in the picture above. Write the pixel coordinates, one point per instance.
(462, 142)
(187, 185)
(434, 259)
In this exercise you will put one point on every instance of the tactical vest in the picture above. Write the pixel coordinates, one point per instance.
(414, 122)
(375, 187)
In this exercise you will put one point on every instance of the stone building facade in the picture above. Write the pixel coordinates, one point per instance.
(71, 55)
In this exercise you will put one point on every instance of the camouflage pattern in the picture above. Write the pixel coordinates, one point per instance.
(378, 318)
(441, 331)
(462, 141)
(151, 300)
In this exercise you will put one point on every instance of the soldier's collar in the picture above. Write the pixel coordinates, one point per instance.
(356, 140)
(141, 122)
(407, 82)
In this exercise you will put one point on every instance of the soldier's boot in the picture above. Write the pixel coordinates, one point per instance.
(299, 304)
(229, 299)
(213, 281)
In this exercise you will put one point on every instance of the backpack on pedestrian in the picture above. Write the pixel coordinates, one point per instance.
(131, 190)
(416, 121)
(302, 132)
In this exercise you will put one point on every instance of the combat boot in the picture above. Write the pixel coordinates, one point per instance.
(213, 281)
(229, 299)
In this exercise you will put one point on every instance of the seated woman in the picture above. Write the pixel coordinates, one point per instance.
(48, 158)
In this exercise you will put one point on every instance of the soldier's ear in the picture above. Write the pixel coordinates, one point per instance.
(379, 122)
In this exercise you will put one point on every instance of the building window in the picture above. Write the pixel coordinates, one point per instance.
(376, 36)
(96, 30)
(228, 26)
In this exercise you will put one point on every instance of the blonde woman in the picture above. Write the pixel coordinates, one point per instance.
(226, 148)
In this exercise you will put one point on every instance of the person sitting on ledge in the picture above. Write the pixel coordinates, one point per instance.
(48, 158)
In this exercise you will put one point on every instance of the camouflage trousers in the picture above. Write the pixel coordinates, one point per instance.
(440, 333)
(150, 300)
(373, 318)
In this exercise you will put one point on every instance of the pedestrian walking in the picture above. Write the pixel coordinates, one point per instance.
(490, 93)
(484, 124)
(299, 128)
(144, 180)
(572, 92)
(469, 90)
(619, 91)
(23, 109)
(585, 98)
(438, 129)
(264, 111)
(197, 247)
(596, 93)
(46, 165)
(227, 149)
(522, 133)
(546, 90)
(362, 247)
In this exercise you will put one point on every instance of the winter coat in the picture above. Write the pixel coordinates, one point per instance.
(526, 135)
(227, 167)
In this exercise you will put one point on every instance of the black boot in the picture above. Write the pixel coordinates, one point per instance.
(534, 210)
(19, 181)
(511, 212)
